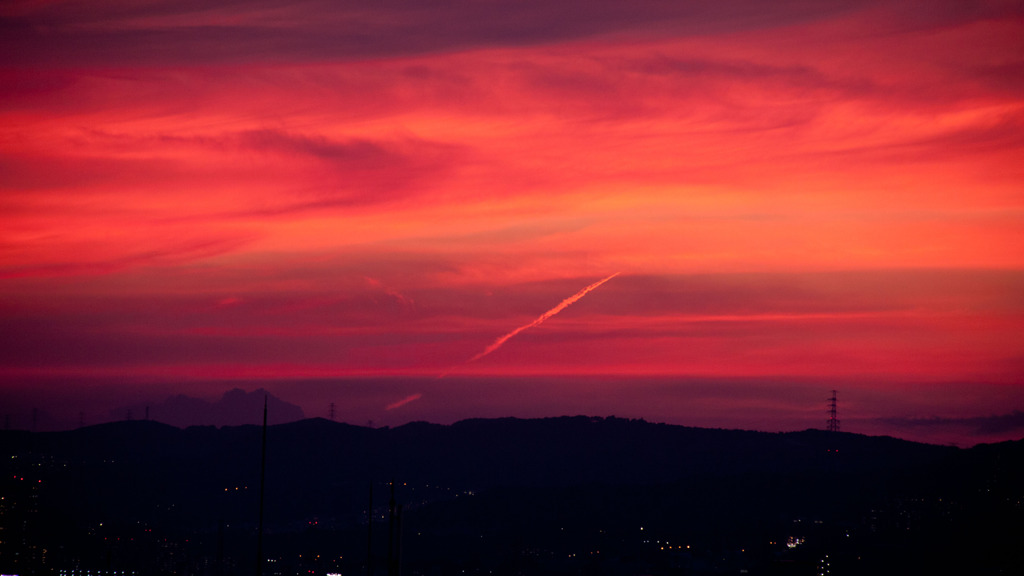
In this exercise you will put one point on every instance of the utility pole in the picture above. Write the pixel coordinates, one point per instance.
(369, 534)
(263, 481)
(391, 530)
(394, 535)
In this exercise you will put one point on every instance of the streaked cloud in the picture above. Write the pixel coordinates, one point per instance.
(1012, 422)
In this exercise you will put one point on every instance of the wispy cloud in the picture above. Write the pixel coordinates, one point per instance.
(160, 34)
(822, 189)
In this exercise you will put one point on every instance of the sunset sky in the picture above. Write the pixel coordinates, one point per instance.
(362, 197)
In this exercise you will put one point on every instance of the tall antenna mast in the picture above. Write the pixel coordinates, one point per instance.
(833, 422)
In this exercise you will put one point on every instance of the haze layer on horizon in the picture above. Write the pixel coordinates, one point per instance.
(909, 411)
(796, 192)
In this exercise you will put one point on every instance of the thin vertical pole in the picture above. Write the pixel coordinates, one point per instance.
(263, 481)
(398, 541)
(220, 547)
(369, 534)
(391, 530)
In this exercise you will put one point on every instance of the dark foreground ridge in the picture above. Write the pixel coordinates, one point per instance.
(571, 495)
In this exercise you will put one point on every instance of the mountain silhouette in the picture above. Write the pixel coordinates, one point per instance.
(235, 408)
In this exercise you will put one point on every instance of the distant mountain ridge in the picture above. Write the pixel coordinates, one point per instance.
(235, 408)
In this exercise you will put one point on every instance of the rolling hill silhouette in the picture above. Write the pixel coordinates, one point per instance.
(512, 496)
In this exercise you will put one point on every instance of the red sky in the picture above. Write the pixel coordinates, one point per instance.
(802, 191)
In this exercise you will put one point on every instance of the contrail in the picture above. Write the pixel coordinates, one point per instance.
(561, 306)
(403, 401)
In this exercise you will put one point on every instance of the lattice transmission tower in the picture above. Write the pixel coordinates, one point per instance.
(833, 422)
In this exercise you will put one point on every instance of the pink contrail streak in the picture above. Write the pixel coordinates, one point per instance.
(561, 306)
(403, 401)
